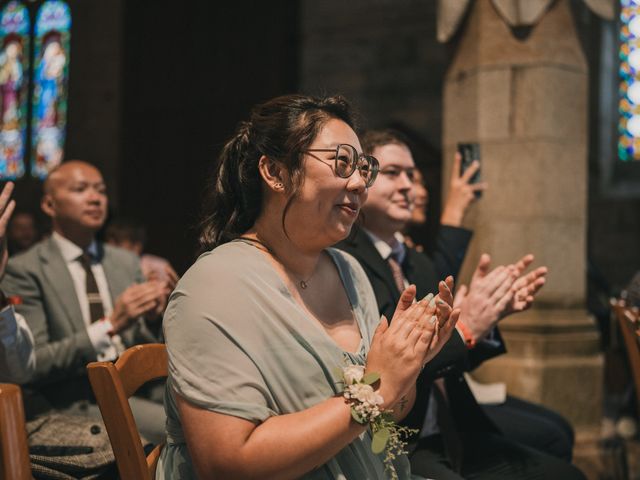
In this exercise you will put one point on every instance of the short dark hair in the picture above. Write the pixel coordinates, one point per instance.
(123, 229)
(281, 129)
(371, 139)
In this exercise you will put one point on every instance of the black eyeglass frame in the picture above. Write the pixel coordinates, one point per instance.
(372, 162)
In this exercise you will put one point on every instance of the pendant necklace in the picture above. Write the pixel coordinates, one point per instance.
(254, 242)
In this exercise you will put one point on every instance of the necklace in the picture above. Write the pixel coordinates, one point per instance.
(254, 242)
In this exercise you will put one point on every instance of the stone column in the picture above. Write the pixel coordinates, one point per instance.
(525, 102)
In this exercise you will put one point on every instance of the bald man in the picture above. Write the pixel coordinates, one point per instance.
(84, 301)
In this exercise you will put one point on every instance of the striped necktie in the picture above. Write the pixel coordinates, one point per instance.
(396, 271)
(96, 308)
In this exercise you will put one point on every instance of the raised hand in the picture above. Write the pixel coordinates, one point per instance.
(483, 303)
(447, 318)
(461, 193)
(398, 349)
(526, 287)
(7, 205)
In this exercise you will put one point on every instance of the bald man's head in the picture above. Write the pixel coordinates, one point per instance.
(75, 198)
(63, 171)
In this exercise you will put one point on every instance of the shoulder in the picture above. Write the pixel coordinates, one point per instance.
(346, 261)
(32, 257)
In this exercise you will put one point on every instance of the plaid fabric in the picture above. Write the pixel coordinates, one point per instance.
(69, 447)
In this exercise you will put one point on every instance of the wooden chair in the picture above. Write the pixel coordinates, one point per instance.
(14, 451)
(628, 322)
(113, 384)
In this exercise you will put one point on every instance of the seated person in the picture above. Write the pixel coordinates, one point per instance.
(22, 232)
(456, 439)
(517, 419)
(131, 236)
(84, 301)
(17, 357)
(258, 325)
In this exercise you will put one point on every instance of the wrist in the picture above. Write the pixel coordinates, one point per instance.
(470, 340)
(450, 217)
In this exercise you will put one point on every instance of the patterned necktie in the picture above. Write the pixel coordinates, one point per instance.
(396, 270)
(96, 309)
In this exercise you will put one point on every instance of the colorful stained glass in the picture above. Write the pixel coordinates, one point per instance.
(14, 69)
(51, 73)
(629, 74)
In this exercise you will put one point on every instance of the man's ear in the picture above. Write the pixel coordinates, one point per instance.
(273, 174)
(47, 205)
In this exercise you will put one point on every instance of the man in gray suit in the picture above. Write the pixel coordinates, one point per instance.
(84, 301)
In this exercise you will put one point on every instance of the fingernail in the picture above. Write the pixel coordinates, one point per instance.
(441, 302)
(432, 302)
(428, 297)
(433, 319)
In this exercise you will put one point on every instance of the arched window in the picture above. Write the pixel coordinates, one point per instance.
(34, 72)
(629, 103)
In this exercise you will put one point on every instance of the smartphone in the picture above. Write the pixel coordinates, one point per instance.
(469, 153)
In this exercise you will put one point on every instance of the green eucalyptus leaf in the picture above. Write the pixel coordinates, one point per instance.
(380, 439)
(371, 378)
(356, 416)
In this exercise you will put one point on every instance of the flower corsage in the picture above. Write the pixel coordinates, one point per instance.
(366, 408)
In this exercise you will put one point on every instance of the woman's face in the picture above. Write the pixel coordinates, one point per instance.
(327, 205)
(421, 199)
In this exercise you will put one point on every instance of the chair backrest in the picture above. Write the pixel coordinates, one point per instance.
(629, 325)
(14, 452)
(112, 385)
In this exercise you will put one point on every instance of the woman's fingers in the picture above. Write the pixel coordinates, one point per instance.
(406, 300)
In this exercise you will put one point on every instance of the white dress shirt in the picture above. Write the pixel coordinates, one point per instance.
(107, 347)
(17, 355)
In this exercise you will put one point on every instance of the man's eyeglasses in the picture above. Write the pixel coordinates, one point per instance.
(348, 160)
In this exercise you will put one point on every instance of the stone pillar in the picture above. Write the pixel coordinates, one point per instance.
(525, 102)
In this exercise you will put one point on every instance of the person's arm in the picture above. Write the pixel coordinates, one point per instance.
(55, 359)
(288, 446)
(17, 355)
(282, 447)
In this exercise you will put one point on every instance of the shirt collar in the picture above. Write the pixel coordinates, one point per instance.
(398, 250)
(70, 251)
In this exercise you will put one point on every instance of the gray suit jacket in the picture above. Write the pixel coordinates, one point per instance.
(50, 306)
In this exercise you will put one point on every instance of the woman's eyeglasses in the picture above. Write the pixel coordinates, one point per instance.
(348, 160)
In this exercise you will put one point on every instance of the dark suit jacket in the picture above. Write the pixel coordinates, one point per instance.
(50, 306)
(455, 358)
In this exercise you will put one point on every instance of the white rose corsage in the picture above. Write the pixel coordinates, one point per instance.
(366, 408)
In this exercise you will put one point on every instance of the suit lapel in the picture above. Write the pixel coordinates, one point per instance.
(59, 278)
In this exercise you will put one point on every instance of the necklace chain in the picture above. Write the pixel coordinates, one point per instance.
(304, 284)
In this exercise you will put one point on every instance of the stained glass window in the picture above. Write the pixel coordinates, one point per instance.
(14, 84)
(51, 72)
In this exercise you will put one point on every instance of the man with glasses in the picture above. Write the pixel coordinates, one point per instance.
(456, 437)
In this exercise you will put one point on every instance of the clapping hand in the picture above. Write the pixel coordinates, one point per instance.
(416, 333)
(492, 295)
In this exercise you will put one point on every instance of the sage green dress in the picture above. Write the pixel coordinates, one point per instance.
(240, 345)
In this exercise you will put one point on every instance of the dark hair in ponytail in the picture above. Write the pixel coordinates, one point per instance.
(280, 129)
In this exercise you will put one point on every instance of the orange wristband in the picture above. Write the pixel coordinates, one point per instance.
(469, 341)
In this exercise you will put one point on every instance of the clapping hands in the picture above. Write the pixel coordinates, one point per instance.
(417, 332)
(492, 295)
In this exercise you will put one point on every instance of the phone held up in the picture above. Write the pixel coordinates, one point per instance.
(470, 152)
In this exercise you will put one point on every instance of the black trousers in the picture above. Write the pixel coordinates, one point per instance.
(534, 426)
(489, 456)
